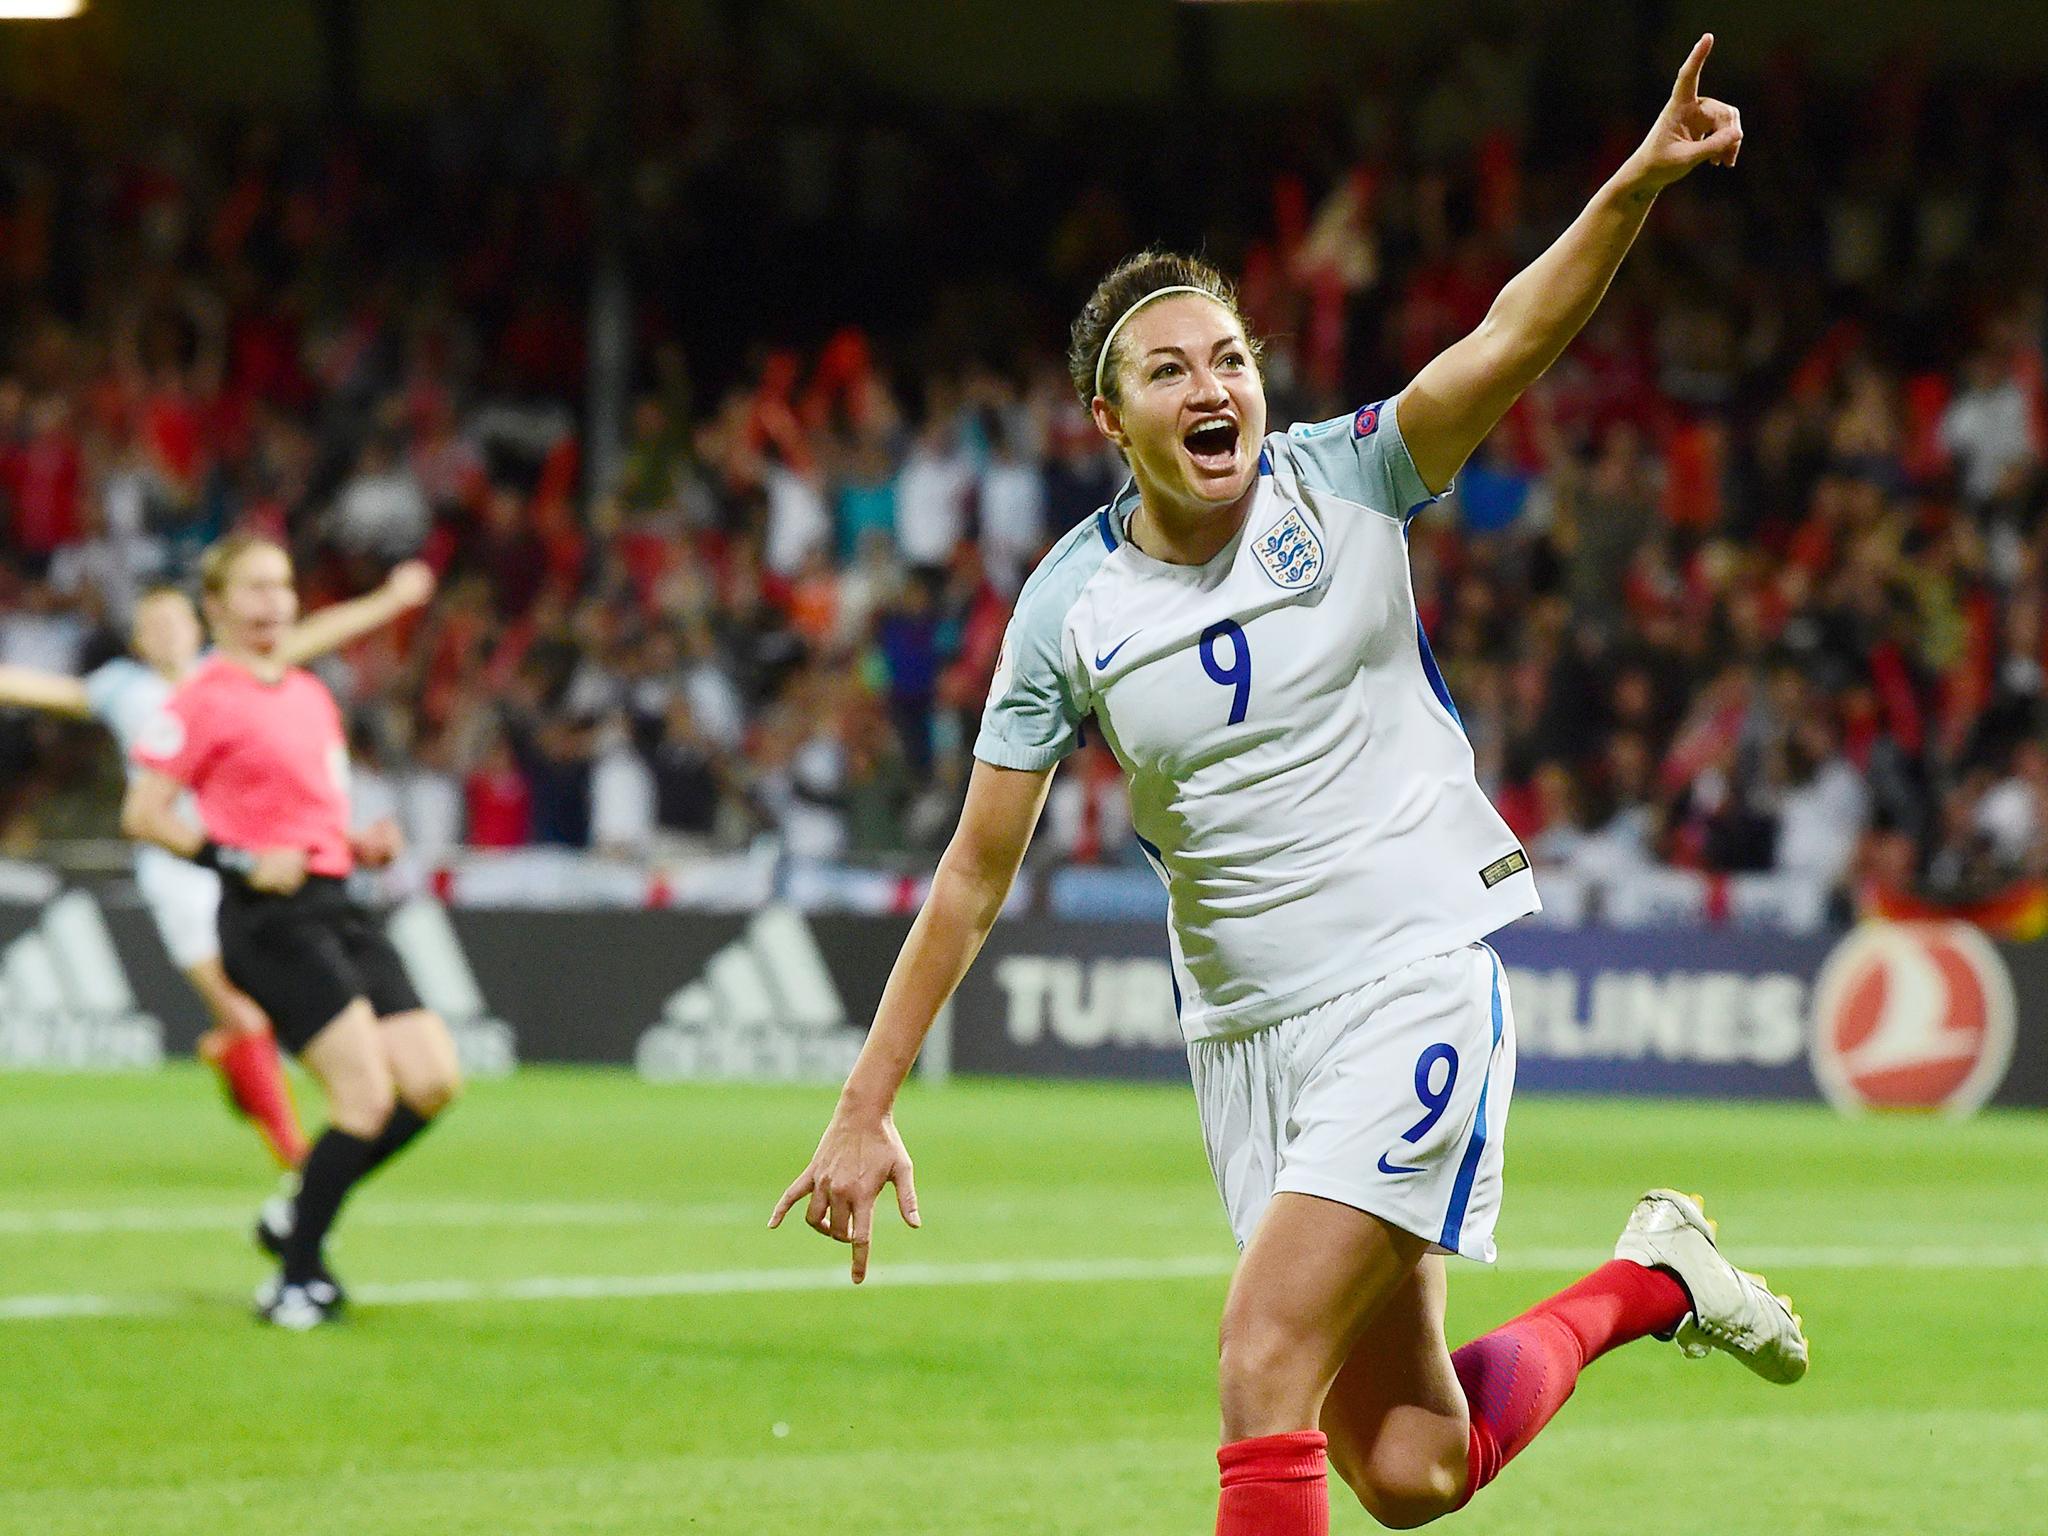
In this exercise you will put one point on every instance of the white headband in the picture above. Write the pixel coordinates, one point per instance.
(1110, 340)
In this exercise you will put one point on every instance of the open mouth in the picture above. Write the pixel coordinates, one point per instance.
(1213, 444)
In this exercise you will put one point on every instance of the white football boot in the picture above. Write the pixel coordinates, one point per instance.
(293, 1307)
(1732, 1310)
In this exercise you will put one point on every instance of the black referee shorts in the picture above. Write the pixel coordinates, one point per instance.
(306, 956)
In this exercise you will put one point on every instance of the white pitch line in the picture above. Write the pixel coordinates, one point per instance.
(40, 1309)
(101, 1221)
(234, 1218)
(735, 1282)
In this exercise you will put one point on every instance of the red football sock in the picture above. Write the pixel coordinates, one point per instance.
(1275, 1485)
(1516, 1377)
(255, 1079)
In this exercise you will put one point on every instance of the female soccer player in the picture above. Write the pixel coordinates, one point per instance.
(259, 745)
(1239, 624)
(124, 695)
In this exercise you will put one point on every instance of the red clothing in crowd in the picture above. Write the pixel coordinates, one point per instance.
(42, 477)
(500, 808)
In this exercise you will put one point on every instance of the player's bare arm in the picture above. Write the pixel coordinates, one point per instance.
(860, 1150)
(409, 586)
(149, 814)
(52, 692)
(1450, 406)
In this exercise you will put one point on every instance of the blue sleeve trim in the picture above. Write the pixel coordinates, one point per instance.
(1436, 677)
(1159, 867)
(1427, 501)
(1468, 1166)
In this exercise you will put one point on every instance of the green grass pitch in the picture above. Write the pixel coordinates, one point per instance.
(572, 1320)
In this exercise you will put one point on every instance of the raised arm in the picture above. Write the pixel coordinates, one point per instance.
(1449, 407)
(26, 688)
(330, 628)
(860, 1150)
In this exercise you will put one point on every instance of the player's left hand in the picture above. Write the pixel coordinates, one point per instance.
(1692, 130)
(378, 843)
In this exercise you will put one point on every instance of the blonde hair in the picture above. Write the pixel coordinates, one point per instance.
(217, 565)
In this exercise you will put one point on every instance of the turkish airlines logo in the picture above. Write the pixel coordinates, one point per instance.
(1912, 1016)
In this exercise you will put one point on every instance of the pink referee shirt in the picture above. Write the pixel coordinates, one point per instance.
(266, 761)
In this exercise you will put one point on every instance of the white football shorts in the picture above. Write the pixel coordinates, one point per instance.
(1392, 1099)
(185, 901)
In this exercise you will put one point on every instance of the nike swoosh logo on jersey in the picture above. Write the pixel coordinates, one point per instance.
(1387, 1167)
(1108, 656)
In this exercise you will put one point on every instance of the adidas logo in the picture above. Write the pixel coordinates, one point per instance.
(446, 982)
(766, 1007)
(65, 1001)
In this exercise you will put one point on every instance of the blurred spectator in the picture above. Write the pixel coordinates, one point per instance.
(1822, 804)
(931, 496)
(38, 629)
(622, 793)
(499, 799)
(430, 801)
(1011, 498)
(1989, 430)
(687, 775)
(382, 511)
(2013, 813)
(867, 496)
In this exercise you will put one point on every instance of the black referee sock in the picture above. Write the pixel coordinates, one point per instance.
(405, 1123)
(337, 1161)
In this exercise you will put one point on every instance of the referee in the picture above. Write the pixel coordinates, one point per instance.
(259, 745)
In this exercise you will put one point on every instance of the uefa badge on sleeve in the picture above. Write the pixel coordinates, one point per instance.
(1291, 552)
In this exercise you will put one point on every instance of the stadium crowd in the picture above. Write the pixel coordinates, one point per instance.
(1755, 579)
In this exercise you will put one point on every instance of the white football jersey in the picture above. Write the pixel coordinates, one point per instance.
(1297, 771)
(124, 695)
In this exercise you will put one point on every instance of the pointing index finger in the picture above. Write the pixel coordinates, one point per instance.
(1687, 87)
(790, 1196)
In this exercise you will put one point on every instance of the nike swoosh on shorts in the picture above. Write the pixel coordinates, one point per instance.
(1387, 1167)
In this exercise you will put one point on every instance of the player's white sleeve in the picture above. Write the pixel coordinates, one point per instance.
(1036, 703)
(105, 688)
(1363, 458)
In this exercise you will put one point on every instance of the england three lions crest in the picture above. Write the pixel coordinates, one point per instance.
(1291, 551)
